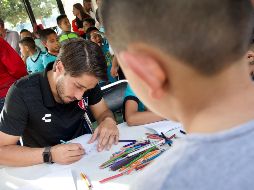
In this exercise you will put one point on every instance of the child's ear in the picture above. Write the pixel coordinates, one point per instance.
(60, 25)
(27, 48)
(147, 68)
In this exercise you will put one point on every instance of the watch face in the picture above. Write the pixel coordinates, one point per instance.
(46, 157)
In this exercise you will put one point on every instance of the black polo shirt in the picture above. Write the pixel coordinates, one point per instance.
(30, 111)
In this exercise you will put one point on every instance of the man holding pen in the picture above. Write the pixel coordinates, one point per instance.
(47, 107)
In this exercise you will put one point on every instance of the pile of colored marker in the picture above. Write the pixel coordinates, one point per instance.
(137, 155)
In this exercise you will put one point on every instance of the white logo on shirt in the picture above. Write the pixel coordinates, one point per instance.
(47, 118)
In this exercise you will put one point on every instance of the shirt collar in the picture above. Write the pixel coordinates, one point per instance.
(35, 56)
(47, 96)
(49, 54)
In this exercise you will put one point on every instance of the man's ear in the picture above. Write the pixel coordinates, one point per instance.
(146, 67)
(59, 67)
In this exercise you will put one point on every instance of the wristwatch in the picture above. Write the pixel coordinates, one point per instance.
(47, 157)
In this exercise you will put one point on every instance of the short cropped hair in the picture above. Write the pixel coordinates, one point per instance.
(90, 20)
(207, 35)
(29, 42)
(89, 30)
(80, 56)
(24, 30)
(45, 33)
(60, 18)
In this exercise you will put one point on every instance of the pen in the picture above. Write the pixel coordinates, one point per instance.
(88, 122)
(112, 177)
(115, 176)
(166, 139)
(84, 177)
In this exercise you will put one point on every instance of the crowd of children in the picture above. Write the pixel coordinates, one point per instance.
(37, 53)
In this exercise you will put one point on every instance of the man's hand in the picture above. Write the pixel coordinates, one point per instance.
(107, 133)
(67, 153)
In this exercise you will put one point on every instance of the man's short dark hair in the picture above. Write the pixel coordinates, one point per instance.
(87, 1)
(89, 30)
(90, 21)
(208, 35)
(45, 33)
(29, 42)
(60, 18)
(80, 56)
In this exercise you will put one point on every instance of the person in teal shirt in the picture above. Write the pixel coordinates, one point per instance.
(94, 35)
(32, 55)
(135, 112)
(48, 58)
(50, 41)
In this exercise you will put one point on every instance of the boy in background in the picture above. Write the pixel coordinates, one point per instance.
(134, 111)
(65, 25)
(87, 23)
(94, 35)
(50, 41)
(32, 55)
(12, 68)
(26, 33)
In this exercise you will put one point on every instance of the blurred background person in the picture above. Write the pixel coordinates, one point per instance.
(12, 37)
(11, 69)
(77, 23)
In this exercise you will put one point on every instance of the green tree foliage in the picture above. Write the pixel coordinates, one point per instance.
(13, 11)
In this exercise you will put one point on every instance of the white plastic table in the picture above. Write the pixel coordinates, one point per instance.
(12, 178)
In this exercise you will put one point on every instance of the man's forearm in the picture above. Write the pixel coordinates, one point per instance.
(104, 115)
(14, 155)
(141, 118)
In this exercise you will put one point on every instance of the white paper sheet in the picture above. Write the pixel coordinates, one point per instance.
(29, 187)
(83, 140)
(164, 126)
(40, 170)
